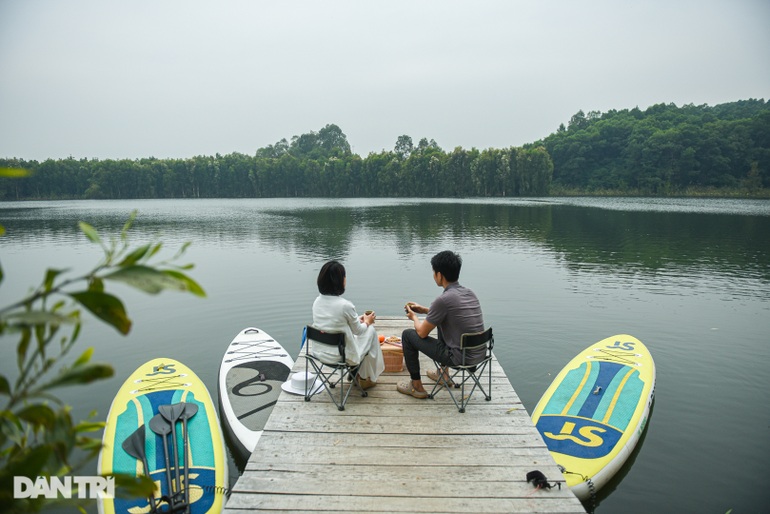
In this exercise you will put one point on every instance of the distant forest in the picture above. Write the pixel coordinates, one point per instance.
(663, 150)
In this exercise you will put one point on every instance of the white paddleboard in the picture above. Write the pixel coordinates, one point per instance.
(253, 368)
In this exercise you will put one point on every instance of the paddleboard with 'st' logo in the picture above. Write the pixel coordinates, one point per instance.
(595, 411)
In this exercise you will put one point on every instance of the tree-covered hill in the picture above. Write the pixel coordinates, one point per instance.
(664, 149)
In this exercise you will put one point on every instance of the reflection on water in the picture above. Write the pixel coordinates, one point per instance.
(617, 239)
(687, 277)
(691, 205)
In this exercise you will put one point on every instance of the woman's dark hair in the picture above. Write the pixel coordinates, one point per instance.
(448, 264)
(331, 279)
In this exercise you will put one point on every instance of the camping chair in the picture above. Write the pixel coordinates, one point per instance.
(473, 372)
(321, 368)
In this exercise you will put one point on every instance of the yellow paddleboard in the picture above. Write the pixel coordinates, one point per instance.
(140, 420)
(596, 409)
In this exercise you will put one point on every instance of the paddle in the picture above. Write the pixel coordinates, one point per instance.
(161, 427)
(190, 409)
(134, 446)
(171, 414)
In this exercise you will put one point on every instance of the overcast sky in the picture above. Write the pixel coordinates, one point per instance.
(167, 78)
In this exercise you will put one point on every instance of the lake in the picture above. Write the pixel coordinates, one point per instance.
(689, 277)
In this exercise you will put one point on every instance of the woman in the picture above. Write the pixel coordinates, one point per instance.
(333, 313)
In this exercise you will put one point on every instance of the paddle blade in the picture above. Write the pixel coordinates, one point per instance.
(134, 444)
(171, 412)
(159, 425)
(190, 409)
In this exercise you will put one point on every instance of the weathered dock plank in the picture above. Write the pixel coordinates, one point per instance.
(392, 453)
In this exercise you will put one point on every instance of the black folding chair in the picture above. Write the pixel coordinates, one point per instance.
(465, 371)
(327, 371)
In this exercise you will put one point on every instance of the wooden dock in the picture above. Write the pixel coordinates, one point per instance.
(392, 453)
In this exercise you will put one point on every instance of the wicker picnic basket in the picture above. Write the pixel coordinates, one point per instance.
(394, 357)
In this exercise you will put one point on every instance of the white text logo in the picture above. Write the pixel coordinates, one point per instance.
(64, 487)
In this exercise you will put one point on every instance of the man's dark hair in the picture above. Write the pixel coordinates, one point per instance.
(331, 279)
(448, 264)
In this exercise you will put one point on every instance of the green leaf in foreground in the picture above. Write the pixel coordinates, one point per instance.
(37, 415)
(130, 486)
(84, 374)
(106, 307)
(30, 461)
(147, 279)
(134, 256)
(37, 318)
(84, 357)
(90, 232)
(50, 277)
(190, 285)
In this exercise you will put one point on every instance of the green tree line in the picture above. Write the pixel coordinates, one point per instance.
(317, 164)
(662, 150)
(665, 149)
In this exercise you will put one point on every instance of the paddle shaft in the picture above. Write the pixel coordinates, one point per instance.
(168, 465)
(190, 409)
(160, 427)
(176, 457)
(186, 465)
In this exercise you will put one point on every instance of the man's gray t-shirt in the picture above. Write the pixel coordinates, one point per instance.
(456, 312)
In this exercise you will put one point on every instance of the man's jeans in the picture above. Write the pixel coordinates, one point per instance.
(430, 346)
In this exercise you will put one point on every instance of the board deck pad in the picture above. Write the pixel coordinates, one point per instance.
(253, 368)
(597, 397)
(593, 413)
(156, 383)
(247, 380)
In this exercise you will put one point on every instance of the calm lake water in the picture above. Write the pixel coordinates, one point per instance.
(689, 278)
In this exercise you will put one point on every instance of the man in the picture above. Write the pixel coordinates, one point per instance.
(455, 312)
